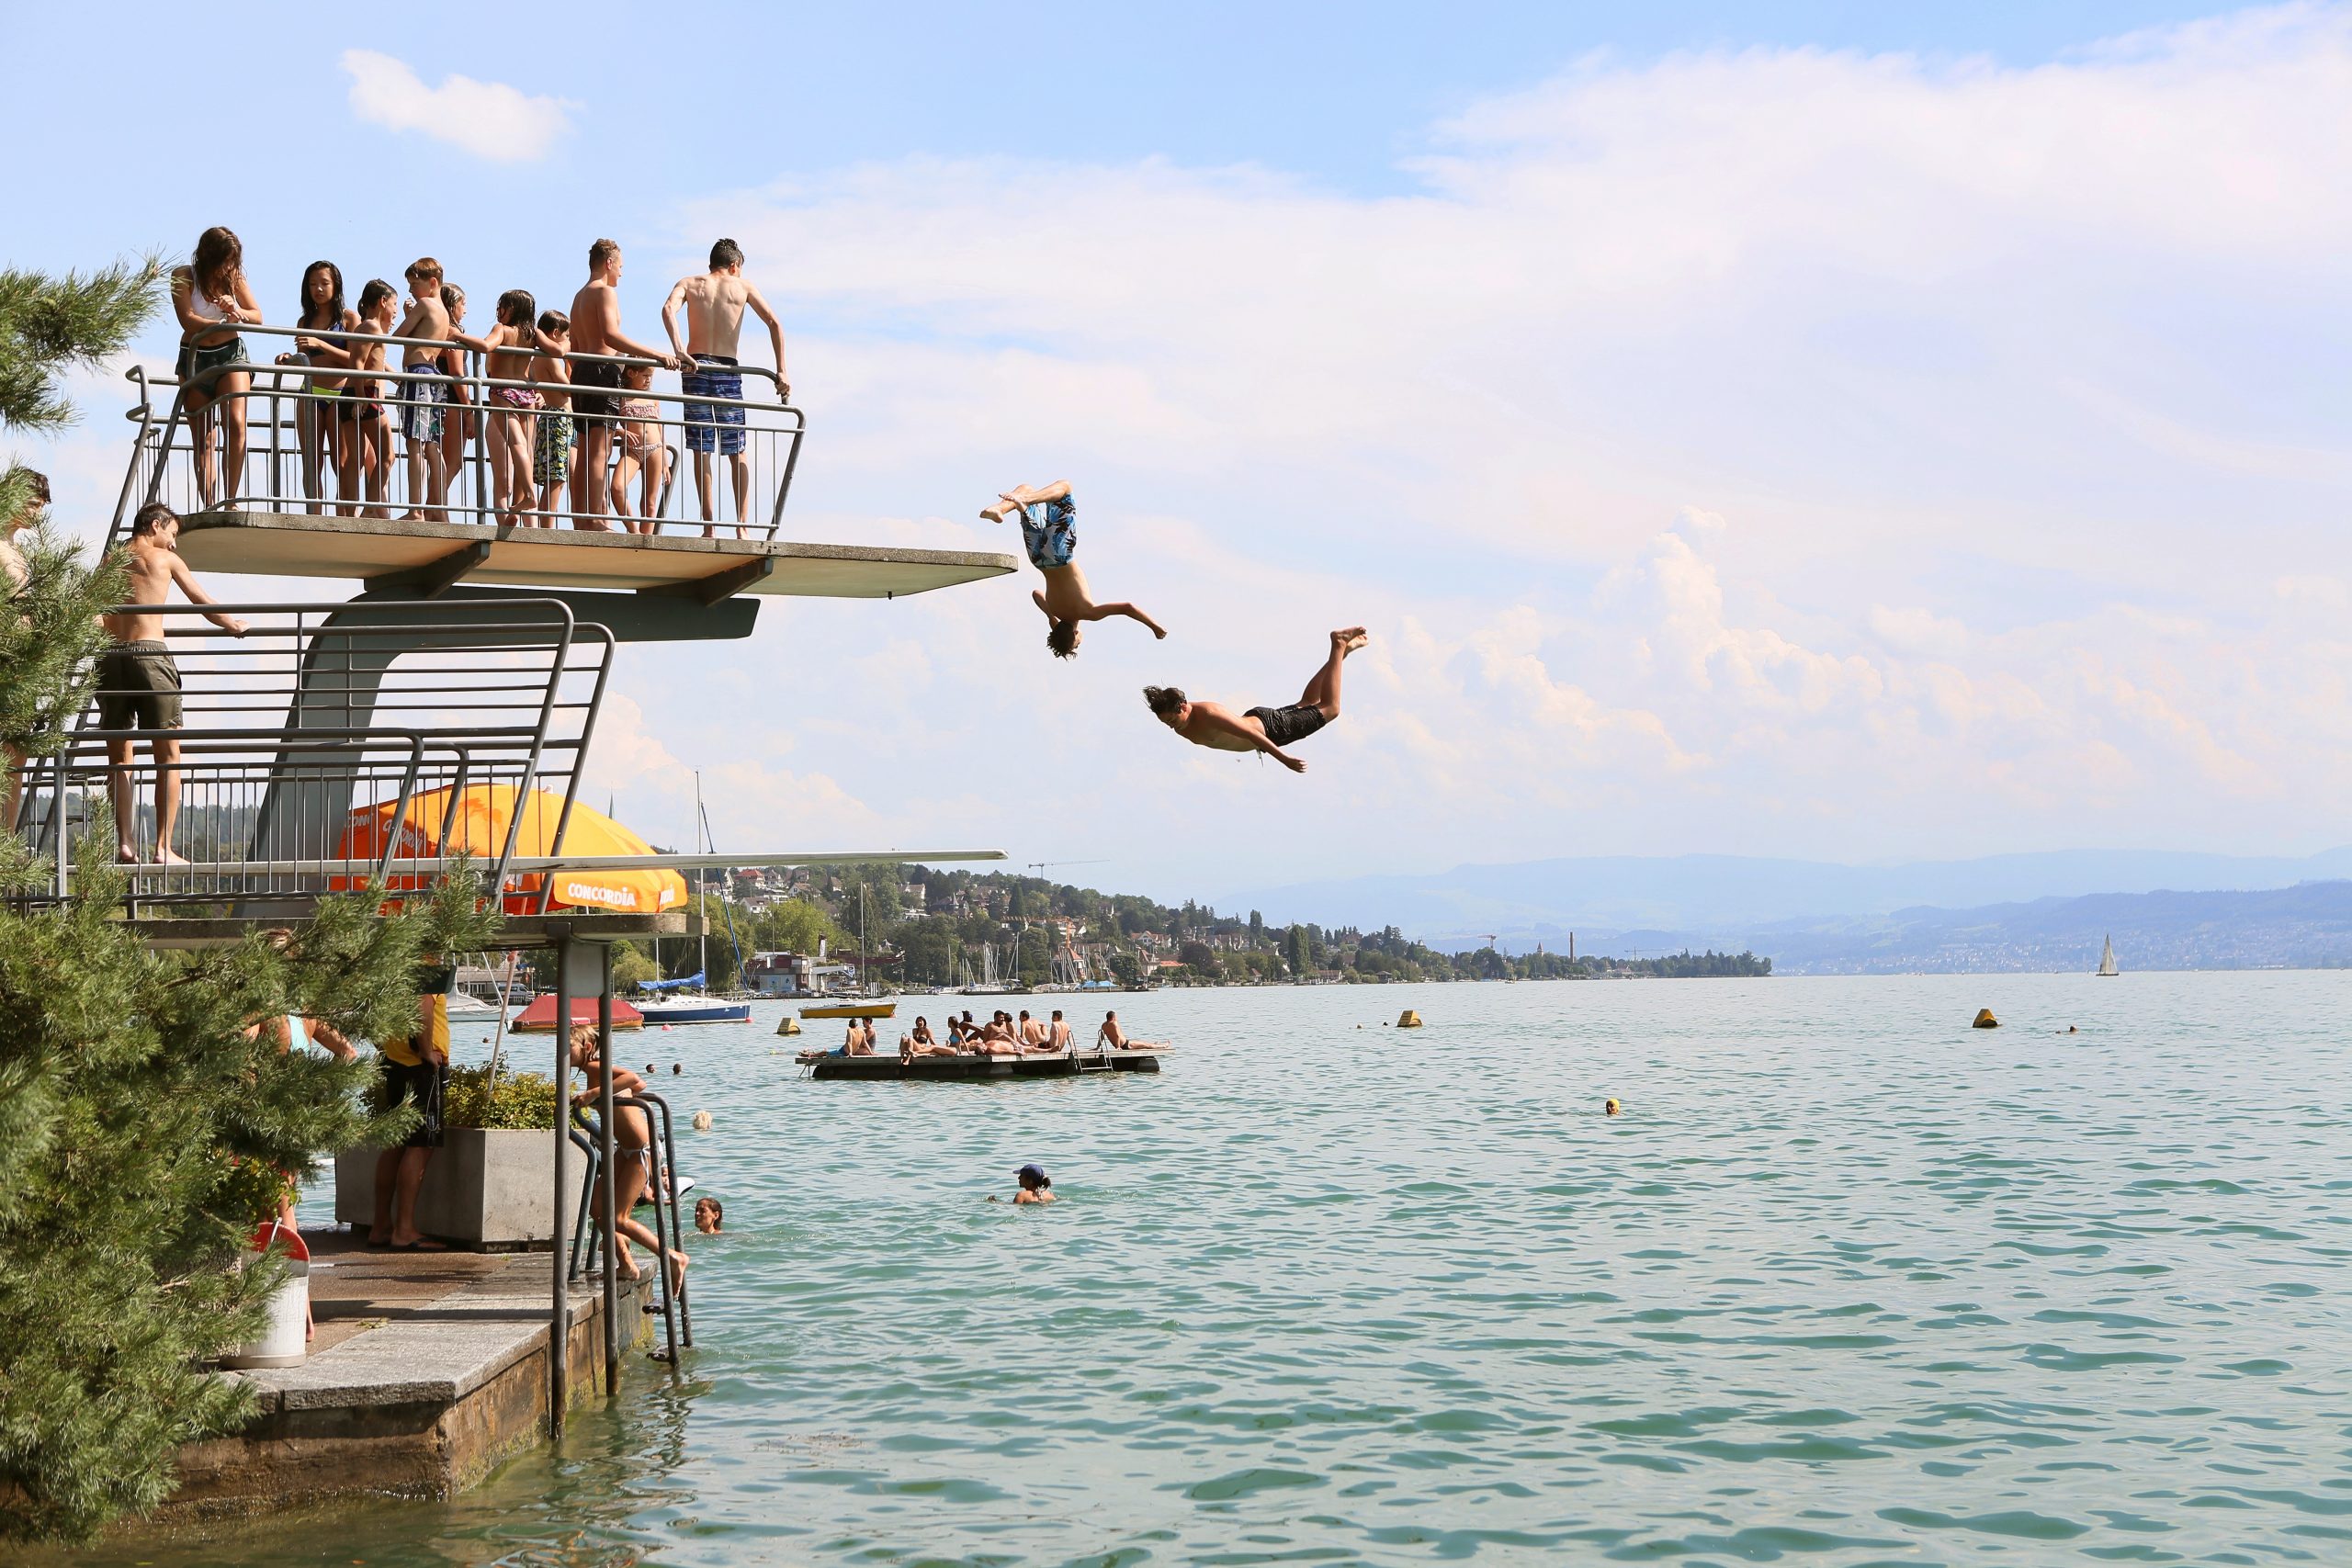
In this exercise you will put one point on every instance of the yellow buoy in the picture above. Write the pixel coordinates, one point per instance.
(1410, 1019)
(789, 1026)
(1984, 1020)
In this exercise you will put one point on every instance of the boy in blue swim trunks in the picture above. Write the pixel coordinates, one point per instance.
(715, 304)
(1049, 527)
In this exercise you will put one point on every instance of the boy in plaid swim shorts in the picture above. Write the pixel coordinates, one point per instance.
(715, 304)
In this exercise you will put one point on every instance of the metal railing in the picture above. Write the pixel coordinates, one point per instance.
(326, 746)
(592, 1245)
(334, 441)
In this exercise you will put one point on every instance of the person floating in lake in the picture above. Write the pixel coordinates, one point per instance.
(1267, 730)
(1036, 1187)
(1050, 528)
(709, 1215)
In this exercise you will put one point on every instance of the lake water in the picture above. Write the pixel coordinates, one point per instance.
(1847, 1284)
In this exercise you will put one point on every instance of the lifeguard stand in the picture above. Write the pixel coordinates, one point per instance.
(477, 649)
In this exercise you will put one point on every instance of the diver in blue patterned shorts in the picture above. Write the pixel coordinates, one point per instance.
(1049, 527)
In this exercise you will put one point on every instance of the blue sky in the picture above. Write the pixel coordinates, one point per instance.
(1855, 431)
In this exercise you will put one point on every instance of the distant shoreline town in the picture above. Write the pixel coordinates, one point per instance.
(797, 931)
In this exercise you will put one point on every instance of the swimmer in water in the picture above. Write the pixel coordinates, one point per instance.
(1036, 1187)
(709, 1215)
(1609, 1107)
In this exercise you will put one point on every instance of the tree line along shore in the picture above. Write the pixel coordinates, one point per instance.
(933, 928)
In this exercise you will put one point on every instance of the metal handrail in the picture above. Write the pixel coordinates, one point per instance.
(154, 445)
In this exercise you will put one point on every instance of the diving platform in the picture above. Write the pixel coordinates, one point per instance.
(424, 560)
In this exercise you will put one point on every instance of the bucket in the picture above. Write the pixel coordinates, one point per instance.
(284, 1339)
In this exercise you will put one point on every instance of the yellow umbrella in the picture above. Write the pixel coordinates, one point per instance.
(479, 828)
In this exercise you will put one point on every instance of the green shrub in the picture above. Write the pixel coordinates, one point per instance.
(519, 1101)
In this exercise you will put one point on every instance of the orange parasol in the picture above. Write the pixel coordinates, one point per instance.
(479, 828)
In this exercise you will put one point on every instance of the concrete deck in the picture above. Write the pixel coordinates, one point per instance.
(382, 552)
(428, 1370)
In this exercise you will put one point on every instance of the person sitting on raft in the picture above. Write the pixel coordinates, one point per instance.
(921, 1044)
(1110, 1037)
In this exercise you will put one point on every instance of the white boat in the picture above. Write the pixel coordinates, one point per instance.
(2107, 959)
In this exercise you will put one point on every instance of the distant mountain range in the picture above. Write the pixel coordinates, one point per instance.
(2004, 912)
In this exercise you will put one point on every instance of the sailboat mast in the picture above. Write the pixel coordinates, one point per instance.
(702, 834)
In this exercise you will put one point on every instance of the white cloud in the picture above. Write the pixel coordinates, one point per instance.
(488, 120)
(1778, 450)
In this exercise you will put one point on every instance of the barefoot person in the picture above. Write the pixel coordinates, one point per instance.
(632, 1140)
(596, 329)
(415, 1072)
(1049, 529)
(424, 392)
(715, 303)
(211, 299)
(1110, 1037)
(138, 682)
(1261, 729)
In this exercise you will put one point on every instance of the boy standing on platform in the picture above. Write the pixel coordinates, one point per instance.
(423, 398)
(138, 682)
(715, 303)
(596, 329)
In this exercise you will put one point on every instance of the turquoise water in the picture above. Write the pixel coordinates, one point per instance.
(1847, 1284)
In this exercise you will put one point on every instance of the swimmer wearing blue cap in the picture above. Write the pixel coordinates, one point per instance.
(1036, 1187)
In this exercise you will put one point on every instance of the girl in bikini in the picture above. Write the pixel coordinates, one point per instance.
(315, 426)
(641, 447)
(510, 346)
(365, 444)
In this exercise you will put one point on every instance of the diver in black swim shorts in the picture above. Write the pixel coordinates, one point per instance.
(1266, 730)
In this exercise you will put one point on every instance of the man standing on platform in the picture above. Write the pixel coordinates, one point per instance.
(596, 396)
(138, 682)
(715, 304)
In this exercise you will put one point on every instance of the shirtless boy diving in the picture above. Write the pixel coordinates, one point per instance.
(1049, 527)
(715, 303)
(1266, 730)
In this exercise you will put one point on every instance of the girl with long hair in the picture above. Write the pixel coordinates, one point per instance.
(212, 300)
(315, 425)
(511, 346)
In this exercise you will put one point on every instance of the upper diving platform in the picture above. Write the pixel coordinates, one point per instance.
(406, 466)
(427, 556)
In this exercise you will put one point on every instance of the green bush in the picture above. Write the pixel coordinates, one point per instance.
(519, 1101)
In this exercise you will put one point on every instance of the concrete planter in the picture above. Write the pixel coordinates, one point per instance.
(482, 1189)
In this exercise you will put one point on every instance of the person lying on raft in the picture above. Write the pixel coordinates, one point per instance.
(1266, 730)
(1049, 529)
(1110, 1037)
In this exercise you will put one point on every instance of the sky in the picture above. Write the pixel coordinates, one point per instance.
(1850, 431)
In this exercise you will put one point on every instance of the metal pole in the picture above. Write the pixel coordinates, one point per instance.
(559, 1322)
(612, 1176)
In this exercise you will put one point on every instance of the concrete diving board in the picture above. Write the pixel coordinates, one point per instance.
(429, 558)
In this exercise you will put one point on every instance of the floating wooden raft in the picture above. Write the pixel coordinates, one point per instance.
(952, 1070)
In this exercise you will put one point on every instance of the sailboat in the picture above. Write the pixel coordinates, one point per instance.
(2107, 959)
(700, 1007)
